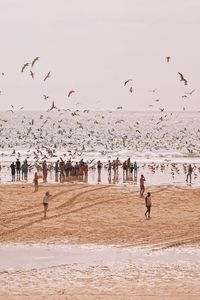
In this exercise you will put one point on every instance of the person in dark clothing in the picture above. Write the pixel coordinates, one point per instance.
(18, 168)
(13, 169)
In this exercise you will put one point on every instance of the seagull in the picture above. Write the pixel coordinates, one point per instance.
(34, 61)
(182, 78)
(190, 93)
(125, 83)
(53, 106)
(119, 107)
(2, 73)
(45, 97)
(184, 96)
(131, 89)
(156, 100)
(161, 109)
(154, 90)
(71, 92)
(47, 76)
(167, 58)
(32, 74)
(24, 66)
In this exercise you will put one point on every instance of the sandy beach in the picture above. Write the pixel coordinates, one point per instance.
(101, 215)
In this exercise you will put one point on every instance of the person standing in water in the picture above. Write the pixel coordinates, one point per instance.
(189, 173)
(148, 205)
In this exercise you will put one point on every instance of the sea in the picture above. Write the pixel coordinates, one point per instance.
(162, 143)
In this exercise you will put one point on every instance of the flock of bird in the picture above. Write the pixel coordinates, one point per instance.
(74, 133)
(29, 66)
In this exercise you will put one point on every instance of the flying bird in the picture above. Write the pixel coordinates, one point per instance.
(32, 74)
(53, 106)
(182, 78)
(47, 76)
(71, 92)
(168, 58)
(156, 100)
(34, 61)
(125, 83)
(154, 90)
(24, 66)
(45, 97)
(131, 89)
(190, 93)
(119, 107)
(184, 96)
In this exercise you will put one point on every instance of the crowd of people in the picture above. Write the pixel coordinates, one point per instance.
(65, 169)
(19, 170)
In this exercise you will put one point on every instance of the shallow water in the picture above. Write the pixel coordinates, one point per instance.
(21, 257)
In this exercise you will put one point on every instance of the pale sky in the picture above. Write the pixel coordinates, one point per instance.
(93, 47)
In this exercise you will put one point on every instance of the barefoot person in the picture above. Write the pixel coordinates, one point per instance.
(148, 205)
(45, 203)
(142, 188)
(35, 181)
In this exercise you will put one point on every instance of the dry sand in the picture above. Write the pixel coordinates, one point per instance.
(102, 214)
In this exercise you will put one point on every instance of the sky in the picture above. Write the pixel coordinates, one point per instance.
(93, 47)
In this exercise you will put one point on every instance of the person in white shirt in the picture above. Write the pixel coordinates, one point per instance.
(148, 205)
(45, 203)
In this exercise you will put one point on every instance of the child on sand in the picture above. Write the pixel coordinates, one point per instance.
(45, 203)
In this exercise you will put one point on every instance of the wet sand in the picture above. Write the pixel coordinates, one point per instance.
(101, 215)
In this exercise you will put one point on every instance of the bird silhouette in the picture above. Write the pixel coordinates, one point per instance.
(182, 78)
(45, 97)
(154, 90)
(47, 76)
(34, 61)
(71, 92)
(52, 106)
(190, 93)
(125, 83)
(32, 74)
(24, 66)
(168, 58)
(131, 89)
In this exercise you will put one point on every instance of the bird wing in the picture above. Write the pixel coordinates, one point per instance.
(46, 76)
(34, 61)
(181, 75)
(72, 91)
(24, 66)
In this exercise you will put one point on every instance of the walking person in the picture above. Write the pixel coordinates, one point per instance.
(45, 203)
(142, 187)
(148, 205)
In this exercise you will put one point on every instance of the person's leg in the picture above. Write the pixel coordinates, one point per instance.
(149, 211)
